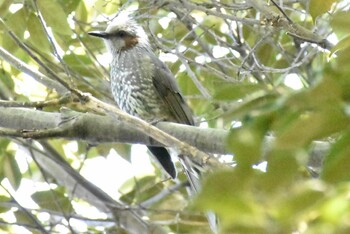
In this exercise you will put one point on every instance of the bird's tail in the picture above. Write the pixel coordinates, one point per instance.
(164, 158)
(193, 174)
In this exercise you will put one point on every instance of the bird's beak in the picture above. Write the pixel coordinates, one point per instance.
(99, 34)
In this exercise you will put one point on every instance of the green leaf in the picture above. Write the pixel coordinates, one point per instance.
(81, 13)
(336, 209)
(6, 82)
(227, 91)
(176, 30)
(4, 208)
(340, 23)
(312, 126)
(342, 45)
(23, 218)
(54, 16)
(319, 7)
(80, 63)
(11, 170)
(310, 115)
(214, 24)
(124, 150)
(53, 200)
(4, 8)
(37, 35)
(264, 54)
(140, 189)
(109, 7)
(186, 84)
(257, 104)
(69, 5)
(228, 193)
(17, 23)
(282, 168)
(246, 142)
(303, 199)
(336, 163)
(3, 144)
(341, 69)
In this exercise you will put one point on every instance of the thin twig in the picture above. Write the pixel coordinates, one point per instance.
(282, 11)
(39, 104)
(29, 215)
(49, 37)
(23, 67)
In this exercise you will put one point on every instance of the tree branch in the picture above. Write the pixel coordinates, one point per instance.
(292, 29)
(38, 76)
(102, 129)
(79, 187)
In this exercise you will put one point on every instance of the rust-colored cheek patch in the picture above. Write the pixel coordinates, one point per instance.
(130, 42)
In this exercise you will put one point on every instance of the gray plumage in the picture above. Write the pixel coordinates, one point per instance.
(143, 86)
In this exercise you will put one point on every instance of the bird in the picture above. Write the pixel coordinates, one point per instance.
(141, 84)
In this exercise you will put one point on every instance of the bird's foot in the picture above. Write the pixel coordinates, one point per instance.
(155, 121)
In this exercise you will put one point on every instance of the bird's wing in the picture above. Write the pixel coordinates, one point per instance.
(165, 84)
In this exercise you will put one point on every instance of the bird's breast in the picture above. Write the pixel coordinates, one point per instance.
(133, 89)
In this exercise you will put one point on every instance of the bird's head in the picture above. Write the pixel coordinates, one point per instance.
(122, 33)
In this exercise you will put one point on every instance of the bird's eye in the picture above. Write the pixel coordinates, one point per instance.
(121, 34)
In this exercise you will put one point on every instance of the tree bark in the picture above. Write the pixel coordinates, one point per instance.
(35, 124)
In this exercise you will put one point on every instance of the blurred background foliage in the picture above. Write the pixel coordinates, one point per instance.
(238, 70)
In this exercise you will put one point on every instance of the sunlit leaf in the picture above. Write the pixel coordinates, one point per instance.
(343, 44)
(317, 8)
(246, 142)
(4, 7)
(186, 84)
(53, 200)
(79, 63)
(340, 23)
(108, 8)
(24, 218)
(140, 189)
(37, 36)
(11, 170)
(336, 164)
(69, 5)
(17, 23)
(6, 82)
(304, 201)
(227, 91)
(231, 199)
(3, 207)
(259, 103)
(264, 54)
(81, 13)
(54, 16)
(335, 209)
(282, 168)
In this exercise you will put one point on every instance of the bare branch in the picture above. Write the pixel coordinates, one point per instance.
(292, 29)
(23, 67)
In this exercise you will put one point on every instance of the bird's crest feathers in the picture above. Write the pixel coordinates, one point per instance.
(123, 22)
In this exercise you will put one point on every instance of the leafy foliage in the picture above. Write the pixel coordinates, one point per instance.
(277, 93)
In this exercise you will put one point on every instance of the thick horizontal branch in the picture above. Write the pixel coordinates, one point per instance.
(29, 123)
(35, 124)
